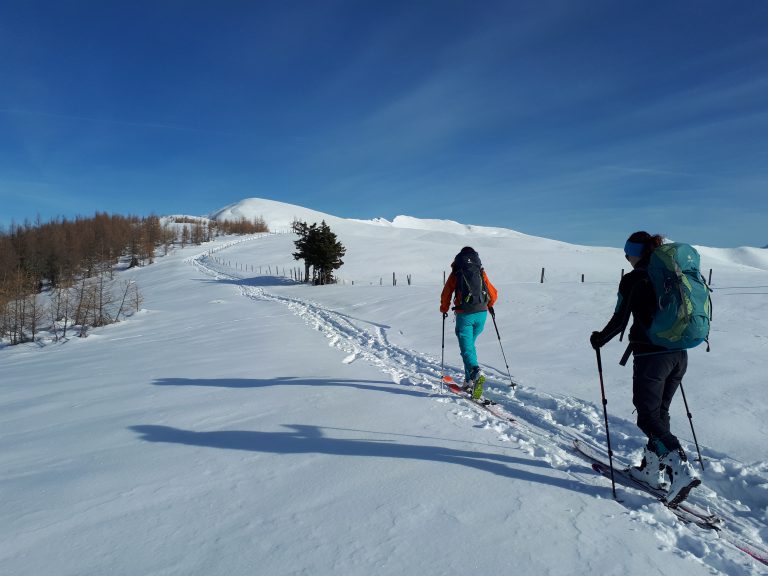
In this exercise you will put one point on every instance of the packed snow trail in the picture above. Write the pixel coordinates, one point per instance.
(545, 424)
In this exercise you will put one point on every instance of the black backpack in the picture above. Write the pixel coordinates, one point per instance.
(470, 287)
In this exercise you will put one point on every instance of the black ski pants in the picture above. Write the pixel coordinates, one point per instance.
(656, 378)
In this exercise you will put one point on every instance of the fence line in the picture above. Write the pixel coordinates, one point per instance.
(297, 274)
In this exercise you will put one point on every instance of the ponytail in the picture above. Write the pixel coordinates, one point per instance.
(649, 242)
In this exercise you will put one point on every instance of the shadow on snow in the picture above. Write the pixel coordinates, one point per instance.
(367, 385)
(253, 281)
(303, 439)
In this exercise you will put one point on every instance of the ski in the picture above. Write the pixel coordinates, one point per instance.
(456, 389)
(600, 464)
(685, 511)
(489, 405)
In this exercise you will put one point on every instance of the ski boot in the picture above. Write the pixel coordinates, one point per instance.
(650, 471)
(477, 377)
(682, 476)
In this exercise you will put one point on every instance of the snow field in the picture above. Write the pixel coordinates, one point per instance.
(242, 424)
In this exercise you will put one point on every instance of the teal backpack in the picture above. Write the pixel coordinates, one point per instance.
(683, 304)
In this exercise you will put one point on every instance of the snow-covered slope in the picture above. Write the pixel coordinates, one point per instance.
(424, 248)
(744, 256)
(242, 424)
(278, 215)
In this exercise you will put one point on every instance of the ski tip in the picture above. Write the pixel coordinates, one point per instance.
(447, 379)
(454, 388)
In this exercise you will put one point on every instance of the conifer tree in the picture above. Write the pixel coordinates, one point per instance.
(320, 249)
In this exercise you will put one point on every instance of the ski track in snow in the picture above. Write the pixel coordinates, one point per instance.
(545, 426)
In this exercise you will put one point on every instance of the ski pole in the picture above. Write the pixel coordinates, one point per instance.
(605, 415)
(493, 315)
(442, 358)
(690, 419)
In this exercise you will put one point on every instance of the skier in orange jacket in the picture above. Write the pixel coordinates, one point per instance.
(474, 294)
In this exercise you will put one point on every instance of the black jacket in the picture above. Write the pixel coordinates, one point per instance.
(638, 298)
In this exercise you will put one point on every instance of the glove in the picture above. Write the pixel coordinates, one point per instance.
(596, 339)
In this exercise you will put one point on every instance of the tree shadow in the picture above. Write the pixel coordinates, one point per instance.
(367, 385)
(252, 281)
(303, 439)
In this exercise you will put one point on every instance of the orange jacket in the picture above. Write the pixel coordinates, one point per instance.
(450, 287)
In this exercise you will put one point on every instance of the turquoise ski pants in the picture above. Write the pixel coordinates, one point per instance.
(468, 328)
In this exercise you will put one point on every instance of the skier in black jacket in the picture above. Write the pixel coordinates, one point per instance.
(657, 373)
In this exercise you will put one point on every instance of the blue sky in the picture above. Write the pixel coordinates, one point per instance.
(580, 121)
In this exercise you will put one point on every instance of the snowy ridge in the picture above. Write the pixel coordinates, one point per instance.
(745, 256)
(451, 226)
(424, 249)
(278, 215)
